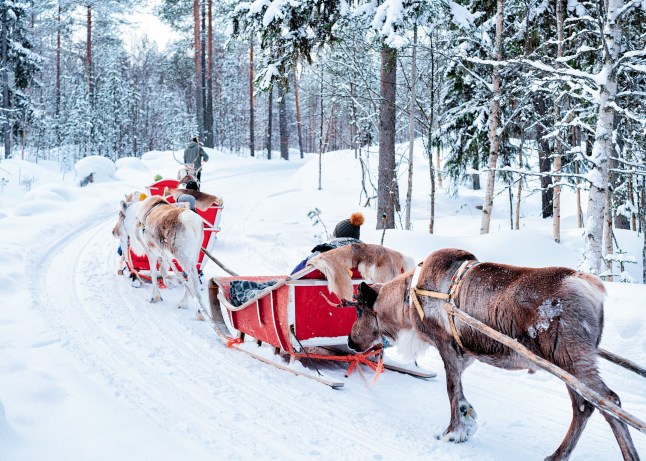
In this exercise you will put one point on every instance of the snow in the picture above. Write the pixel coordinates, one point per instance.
(91, 371)
(103, 168)
(461, 16)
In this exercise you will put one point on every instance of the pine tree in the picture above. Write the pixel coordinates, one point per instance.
(19, 65)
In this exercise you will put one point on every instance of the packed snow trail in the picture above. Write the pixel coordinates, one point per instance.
(172, 368)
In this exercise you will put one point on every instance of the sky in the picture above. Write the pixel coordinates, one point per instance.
(144, 22)
(92, 371)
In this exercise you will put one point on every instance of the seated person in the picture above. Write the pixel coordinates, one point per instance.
(186, 198)
(345, 233)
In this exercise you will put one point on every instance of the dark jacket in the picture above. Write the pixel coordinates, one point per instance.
(194, 154)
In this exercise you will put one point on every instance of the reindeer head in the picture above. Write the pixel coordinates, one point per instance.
(119, 230)
(365, 331)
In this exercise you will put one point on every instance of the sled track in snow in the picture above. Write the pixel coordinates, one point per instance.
(173, 369)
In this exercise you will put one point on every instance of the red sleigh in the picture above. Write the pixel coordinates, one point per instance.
(299, 318)
(139, 264)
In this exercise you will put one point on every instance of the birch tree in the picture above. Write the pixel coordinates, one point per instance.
(494, 135)
(603, 147)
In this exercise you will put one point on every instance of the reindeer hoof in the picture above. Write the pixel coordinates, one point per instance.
(199, 316)
(135, 284)
(155, 299)
(455, 436)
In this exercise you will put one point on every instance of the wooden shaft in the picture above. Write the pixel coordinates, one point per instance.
(627, 364)
(218, 262)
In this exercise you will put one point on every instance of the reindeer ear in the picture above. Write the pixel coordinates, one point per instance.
(124, 206)
(368, 295)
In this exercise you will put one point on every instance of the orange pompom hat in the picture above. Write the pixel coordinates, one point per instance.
(349, 227)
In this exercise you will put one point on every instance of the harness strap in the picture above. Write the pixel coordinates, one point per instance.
(142, 224)
(450, 297)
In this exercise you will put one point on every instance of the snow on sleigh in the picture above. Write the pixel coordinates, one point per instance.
(299, 318)
(210, 212)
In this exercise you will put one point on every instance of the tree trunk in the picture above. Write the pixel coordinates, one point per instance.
(270, 113)
(6, 129)
(209, 142)
(438, 168)
(429, 147)
(602, 150)
(519, 191)
(434, 124)
(579, 209)
(355, 123)
(544, 161)
(282, 120)
(386, 185)
(642, 225)
(199, 104)
(607, 235)
(88, 55)
(631, 199)
(411, 130)
(494, 137)
(58, 67)
(252, 146)
(556, 204)
(321, 131)
(205, 116)
(298, 113)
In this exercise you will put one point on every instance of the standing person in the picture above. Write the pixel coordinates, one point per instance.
(346, 232)
(194, 155)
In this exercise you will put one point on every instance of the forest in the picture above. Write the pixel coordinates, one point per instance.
(532, 96)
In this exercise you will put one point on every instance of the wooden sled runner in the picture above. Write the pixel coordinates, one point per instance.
(295, 317)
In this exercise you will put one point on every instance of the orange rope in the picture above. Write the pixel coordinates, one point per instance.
(380, 367)
(354, 360)
(234, 341)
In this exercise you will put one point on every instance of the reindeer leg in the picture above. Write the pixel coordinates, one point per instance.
(581, 412)
(619, 428)
(181, 276)
(193, 287)
(463, 422)
(156, 294)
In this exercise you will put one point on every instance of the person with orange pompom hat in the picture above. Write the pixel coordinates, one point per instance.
(346, 232)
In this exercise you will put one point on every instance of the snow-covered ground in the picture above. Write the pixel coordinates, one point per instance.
(90, 371)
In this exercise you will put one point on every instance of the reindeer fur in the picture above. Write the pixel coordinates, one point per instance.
(375, 263)
(556, 312)
(202, 200)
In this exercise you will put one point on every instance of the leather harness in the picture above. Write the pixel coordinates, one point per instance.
(450, 297)
(142, 224)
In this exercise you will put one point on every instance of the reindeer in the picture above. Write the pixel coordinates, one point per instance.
(556, 312)
(168, 233)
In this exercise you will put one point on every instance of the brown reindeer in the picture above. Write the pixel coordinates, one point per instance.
(556, 312)
(170, 233)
